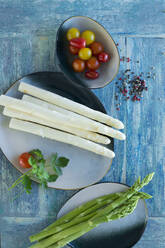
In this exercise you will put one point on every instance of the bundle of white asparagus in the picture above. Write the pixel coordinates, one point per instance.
(52, 116)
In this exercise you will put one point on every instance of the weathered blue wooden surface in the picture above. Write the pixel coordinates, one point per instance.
(27, 41)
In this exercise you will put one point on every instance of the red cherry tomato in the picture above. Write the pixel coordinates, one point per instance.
(93, 63)
(78, 42)
(103, 57)
(96, 48)
(78, 65)
(73, 50)
(92, 74)
(23, 160)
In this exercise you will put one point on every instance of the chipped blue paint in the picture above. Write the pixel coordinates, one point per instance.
(27, 44)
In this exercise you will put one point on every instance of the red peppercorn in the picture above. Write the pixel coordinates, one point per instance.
(120, 78)
(134, 98)
(128, 59)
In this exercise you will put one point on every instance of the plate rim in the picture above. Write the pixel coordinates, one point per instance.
(93, 185)
(33, 179)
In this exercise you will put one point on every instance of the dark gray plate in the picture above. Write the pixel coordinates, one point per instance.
(85, 168)
(123, 233)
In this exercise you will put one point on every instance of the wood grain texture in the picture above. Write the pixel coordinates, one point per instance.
(124, 17)
(27, 44)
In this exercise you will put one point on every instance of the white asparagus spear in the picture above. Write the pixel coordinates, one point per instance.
(53, 116)
(53, 134)
(70, 105)
(53, 107)
(79, 132)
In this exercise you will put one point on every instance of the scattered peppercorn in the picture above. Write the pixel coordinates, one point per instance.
(131, 86)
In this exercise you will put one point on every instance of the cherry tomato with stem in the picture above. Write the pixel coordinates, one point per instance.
(89, 36)
(73, 33)
(103, 57)
(96, 48)
(78, 65)
(23, 160)
(73, 50)
(93, 63)
(85, 53)
(91, 74)
(78, 42)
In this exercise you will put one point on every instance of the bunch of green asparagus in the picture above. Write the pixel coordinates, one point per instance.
(89, 215)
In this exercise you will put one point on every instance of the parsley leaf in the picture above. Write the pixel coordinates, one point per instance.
(62, 162)
(52, 178)
(27, 184)
(57, 170)
(37, 154)
(53, 158)
(32, 161)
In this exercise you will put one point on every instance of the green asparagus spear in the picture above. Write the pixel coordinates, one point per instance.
(116, 214)
(70, 215)
(99, 203)
(82, 210)
(102, 215)
(87, 214)
(128, 194)
(78, 230)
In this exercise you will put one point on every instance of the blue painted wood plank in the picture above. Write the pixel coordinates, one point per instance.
(127, 16)
(146, 122)
(25, 56)
(154, 234)
(27, 34)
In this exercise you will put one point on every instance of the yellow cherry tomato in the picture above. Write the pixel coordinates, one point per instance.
(73, 33)
(89, 36)
(85, 53)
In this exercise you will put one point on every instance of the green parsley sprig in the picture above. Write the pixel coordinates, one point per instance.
(44, 170)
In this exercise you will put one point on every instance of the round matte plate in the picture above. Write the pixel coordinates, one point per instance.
(84, 168)
(122, 233)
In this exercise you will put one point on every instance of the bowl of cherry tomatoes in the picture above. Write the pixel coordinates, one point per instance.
(86, 52)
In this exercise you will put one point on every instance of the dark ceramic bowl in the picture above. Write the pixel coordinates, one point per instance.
(107, 71)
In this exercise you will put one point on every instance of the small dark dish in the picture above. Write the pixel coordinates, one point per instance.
(108, 71)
